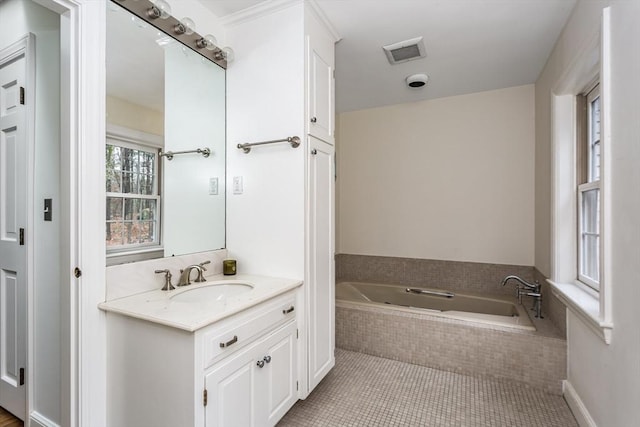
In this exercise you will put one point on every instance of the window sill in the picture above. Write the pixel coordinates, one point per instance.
(585, 306)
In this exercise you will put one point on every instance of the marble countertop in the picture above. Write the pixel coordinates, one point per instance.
(160, 306)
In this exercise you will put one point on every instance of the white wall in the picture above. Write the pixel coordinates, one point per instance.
(606, 378)
(18, 18)
(450, 178)
(134, 116)
(265, 224)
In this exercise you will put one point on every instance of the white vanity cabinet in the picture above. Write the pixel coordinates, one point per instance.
(239, 371)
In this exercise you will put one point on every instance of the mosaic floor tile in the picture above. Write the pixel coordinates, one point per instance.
(364, 390)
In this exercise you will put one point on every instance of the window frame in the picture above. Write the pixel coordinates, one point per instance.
(130, 138)
(585, 169)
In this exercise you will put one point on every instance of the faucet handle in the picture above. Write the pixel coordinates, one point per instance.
(167, 280)
(202, 264)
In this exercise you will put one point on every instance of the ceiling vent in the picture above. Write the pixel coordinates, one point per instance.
(407, 50)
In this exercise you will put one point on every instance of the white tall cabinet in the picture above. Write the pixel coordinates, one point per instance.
(282, 84)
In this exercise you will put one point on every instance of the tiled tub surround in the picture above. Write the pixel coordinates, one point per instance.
(454, 276)
(535, 358)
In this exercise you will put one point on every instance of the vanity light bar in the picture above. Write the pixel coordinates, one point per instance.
(148, 12)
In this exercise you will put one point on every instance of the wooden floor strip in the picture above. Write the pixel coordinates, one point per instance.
(8, 420)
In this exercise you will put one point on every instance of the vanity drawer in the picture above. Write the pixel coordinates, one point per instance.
(245, 327)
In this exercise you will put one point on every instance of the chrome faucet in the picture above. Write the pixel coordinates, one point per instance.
(185, 275)
(527, 289)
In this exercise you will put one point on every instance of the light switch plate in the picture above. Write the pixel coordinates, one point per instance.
(213, 186)
(237, 185)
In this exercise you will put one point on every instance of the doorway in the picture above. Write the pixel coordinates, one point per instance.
(30, 279)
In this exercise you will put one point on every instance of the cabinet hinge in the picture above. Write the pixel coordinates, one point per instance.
(205, 397)
(21, 376)
(21, 95)
(21, 237)
(296, 385)
(297, 334)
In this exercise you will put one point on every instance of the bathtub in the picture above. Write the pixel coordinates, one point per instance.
(495, 310)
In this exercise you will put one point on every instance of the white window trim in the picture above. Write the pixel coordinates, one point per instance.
(593, 308)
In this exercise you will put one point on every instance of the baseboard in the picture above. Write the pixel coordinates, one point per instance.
(39, 420)
(576, 405)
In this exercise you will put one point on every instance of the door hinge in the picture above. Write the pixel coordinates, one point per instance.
(205, 397)
(21, 95)
(22, 237)
(21, 376)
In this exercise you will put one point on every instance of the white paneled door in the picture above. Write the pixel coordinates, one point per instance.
(13, 218)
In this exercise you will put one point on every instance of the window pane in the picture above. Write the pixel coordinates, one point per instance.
(591, 211)
(130, 183)
(114, 208)
(147, 210)
(114, 234)
(590, 235)
(591, 257)
(140, 232)
(594, 139)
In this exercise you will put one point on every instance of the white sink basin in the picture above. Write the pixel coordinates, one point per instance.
(212, 292)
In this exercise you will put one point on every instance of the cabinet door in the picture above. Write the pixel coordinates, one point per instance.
(257, 386)
(230, 391)
(280, 392)
(321, 87)
(321, 278)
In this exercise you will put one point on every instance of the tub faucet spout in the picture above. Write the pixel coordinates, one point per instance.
(535, 287)
(527, 289)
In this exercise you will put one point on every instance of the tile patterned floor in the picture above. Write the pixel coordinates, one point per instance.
(364, 390)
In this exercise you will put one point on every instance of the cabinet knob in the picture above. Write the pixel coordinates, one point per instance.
(314, 119)
(267, 359)
(314, 151)
(260, 363)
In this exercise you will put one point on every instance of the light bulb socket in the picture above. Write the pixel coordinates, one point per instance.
(185, 26)
(201, 43)
(153, 12)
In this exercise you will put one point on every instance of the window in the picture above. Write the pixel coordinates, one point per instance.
(133, 199)
(589, 194)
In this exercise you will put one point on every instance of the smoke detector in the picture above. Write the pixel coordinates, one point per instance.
(407, 50)
(417, 80)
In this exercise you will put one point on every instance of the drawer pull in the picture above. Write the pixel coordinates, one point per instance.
(267, 359)
(230, 342)
(260, 363)
(288, 310)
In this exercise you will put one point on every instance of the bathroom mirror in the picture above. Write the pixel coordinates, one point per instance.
(162, 98)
